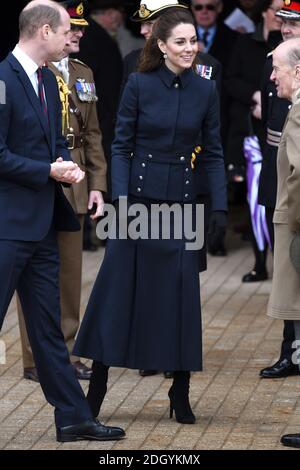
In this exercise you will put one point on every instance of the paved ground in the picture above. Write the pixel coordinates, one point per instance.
(234, 408)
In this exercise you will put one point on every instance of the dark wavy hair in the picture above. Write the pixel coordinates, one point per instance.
(151, 57)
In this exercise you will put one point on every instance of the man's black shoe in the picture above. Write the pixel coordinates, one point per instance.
(90, 430)
(146, 372)
(291, 440)
(282, 368)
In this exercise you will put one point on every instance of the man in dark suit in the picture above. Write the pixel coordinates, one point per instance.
(34, 160)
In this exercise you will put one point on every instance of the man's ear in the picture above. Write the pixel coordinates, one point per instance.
(46, 28)
(297, 72)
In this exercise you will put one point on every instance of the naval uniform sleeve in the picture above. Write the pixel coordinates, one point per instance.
(123, 144)
(212, 156)
(264, 95)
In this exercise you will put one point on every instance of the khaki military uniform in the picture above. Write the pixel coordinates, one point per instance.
(81, 128)
(284, 300)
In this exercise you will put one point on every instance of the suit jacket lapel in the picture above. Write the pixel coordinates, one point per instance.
(32, 96)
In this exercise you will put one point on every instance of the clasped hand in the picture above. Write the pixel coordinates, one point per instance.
(66, 171)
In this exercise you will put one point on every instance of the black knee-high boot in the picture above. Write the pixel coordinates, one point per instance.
(179, 398)
(98, 387)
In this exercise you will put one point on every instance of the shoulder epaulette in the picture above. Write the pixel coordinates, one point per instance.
(79, 62)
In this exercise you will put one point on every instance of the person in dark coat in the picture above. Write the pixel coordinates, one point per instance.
(99, 50)
(274, 113)
(211, 70)
(155, 321)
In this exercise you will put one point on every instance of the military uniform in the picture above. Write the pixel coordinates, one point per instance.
(274, 113)
(81, 129)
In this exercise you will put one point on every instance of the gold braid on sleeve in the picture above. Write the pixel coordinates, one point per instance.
(64, 98)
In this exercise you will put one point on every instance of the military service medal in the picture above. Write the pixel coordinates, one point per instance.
(85, 91)
(205, 71)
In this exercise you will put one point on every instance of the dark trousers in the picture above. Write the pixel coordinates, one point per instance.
(288, 330)
(32, 268)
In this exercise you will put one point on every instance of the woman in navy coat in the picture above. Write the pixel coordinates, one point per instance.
(144, 310)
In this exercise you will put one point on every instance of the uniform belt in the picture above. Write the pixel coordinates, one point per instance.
(75, 141)
(273, 137)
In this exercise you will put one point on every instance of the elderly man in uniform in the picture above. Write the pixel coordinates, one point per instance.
(274, 112)
(284, 300)
(81, 128)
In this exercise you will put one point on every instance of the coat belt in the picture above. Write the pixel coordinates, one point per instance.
(179, 159)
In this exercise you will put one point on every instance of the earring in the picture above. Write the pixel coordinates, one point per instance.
(165, 56)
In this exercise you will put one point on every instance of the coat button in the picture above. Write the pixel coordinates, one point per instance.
(182, 159)
(176, 85)
(150, 156)
(186, 169)
(138, 189)
(270, 94)
(140, 177)
(186, 195)
(187, 182)
(143, 165)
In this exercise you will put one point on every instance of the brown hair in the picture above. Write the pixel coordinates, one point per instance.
(31, 19)
(151, 57)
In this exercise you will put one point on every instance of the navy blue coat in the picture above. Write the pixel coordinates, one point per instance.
(29, 198)
(159, 122)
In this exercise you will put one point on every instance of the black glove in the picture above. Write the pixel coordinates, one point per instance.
(217, 229)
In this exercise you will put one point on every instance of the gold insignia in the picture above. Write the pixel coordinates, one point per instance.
(287, 3)
(143, 12)
(79, 9)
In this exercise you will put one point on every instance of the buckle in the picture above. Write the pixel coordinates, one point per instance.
(71, 141)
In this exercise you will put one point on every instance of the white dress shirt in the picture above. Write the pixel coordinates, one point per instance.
(63, 68)
(29, 66)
